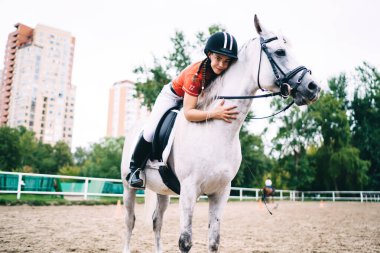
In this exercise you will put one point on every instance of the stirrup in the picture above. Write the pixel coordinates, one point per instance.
(130, 178)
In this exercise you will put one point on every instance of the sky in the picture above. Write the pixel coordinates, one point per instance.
(115, 36)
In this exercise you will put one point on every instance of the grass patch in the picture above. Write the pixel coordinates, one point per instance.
(54, 200)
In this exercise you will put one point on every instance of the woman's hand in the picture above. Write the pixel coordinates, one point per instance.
(224, 113)
(220, 112)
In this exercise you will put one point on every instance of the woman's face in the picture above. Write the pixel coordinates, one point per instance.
(219, 63)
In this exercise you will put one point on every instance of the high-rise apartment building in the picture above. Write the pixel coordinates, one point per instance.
(124, 109)
(36, 89)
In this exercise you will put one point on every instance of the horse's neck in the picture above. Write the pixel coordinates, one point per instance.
(238, 81)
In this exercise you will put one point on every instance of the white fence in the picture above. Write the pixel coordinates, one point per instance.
(362, 196)
(90, 187)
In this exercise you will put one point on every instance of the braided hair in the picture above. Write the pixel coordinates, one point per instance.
(203, 68)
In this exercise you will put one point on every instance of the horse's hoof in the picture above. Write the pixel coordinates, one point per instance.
(185, 243)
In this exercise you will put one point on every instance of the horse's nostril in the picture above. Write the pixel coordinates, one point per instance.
(312, 86)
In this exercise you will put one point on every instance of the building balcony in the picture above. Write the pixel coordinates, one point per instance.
(6, 94)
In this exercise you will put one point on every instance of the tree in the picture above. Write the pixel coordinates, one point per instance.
(62, 155)
(104, 159)
(9, 148)
(70, 171)
(44, 162)
(365, 119)
(338, 163)
(28, 146)
(179, 59)
(80, 156)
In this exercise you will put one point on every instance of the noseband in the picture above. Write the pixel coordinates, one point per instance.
(283, 81)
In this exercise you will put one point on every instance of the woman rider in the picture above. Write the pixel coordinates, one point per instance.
(221, 50)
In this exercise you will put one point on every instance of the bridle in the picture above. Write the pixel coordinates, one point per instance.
(283, 80)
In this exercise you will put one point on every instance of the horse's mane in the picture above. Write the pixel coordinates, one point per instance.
(210, 93)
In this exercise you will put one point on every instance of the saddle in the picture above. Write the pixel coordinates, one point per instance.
(160, 141)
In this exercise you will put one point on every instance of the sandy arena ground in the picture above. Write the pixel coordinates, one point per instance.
(246, 227)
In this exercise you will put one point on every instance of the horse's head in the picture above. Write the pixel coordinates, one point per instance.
(279, 71)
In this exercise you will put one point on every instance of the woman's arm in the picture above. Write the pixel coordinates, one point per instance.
(220, 112)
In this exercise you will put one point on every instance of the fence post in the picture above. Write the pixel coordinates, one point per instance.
(361, 197)
(281, 196)
(241, 194)
(302, 197)
(257, 195)
(333, 196)
(85, 189)
(19, 186)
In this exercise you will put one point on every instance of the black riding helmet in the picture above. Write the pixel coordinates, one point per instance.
(222, 43)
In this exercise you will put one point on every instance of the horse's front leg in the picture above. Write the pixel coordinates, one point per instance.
(162, 204)
(217, 203)
(188, 198)
(129, 197)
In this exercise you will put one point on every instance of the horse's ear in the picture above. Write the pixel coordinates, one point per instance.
(259, 28)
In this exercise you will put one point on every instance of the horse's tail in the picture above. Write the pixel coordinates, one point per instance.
(149, 207)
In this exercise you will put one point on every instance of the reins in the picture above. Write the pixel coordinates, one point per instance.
(274, 114)
(250, 97)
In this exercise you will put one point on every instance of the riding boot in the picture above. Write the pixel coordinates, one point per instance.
(138, 161)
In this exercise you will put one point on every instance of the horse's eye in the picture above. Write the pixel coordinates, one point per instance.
(280, 52)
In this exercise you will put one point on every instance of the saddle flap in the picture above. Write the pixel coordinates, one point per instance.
(162, 134)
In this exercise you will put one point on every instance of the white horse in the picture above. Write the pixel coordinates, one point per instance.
(206, 156)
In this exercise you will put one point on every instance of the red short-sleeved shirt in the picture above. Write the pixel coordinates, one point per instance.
(185, 82)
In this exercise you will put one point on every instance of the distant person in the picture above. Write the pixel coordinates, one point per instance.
(268, 182)
(268, 189)
(221, 51)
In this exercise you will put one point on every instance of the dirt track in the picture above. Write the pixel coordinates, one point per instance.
(246, 227)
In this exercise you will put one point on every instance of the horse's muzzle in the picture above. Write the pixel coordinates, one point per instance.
(307, 94)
